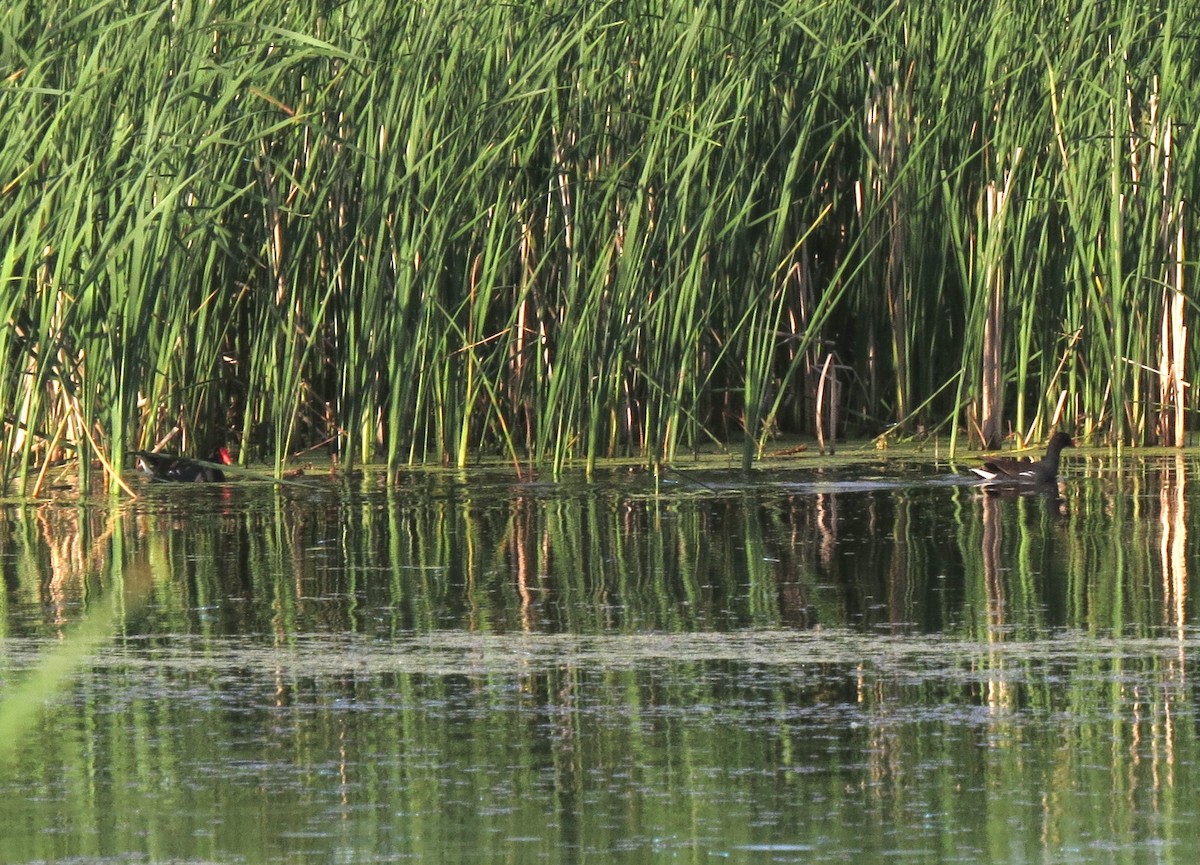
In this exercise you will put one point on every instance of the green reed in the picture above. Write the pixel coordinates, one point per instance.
(562, 231)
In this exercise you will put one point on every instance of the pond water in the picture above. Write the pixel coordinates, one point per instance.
(878, 663)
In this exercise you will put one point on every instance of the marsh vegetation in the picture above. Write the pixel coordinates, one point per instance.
(561, 231)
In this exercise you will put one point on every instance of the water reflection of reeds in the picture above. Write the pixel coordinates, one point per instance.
(1108, 552)
(1005, 665)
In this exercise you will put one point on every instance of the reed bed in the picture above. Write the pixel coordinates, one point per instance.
(563, 231)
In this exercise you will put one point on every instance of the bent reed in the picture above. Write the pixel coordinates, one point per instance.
(567, 230)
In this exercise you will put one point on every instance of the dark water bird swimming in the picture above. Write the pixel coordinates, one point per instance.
(1043, 471)
(170, 467)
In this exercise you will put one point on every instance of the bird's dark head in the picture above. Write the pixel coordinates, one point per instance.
(1061, 440)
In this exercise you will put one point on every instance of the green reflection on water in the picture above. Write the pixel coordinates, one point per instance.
(806, 667)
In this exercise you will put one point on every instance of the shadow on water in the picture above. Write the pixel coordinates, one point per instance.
(860, 665)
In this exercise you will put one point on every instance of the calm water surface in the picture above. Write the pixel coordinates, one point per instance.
(876, 664)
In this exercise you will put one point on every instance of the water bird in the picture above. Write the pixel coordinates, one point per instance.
(1043, 471)
(172, 467)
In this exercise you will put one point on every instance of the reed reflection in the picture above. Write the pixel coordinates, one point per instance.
(1173, 544)
(844, 655)
(490, 554)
